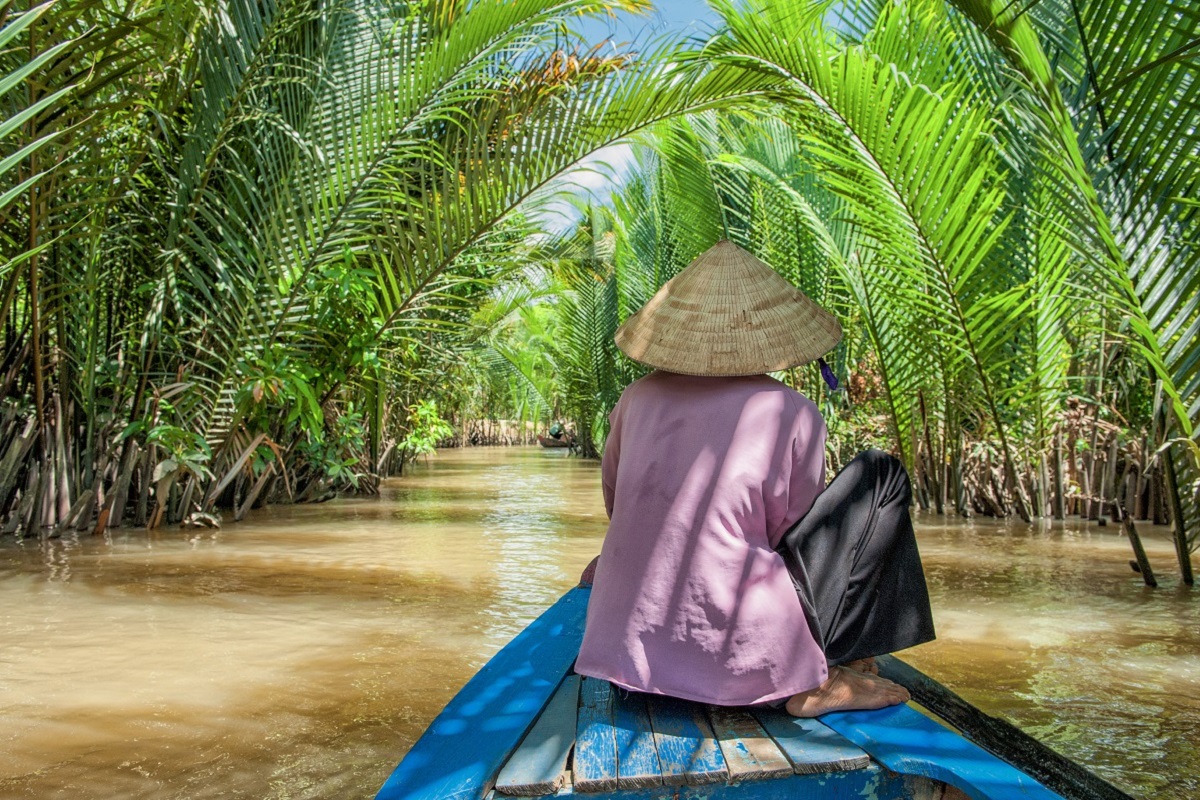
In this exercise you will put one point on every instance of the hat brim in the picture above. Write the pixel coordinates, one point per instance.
(728, 314)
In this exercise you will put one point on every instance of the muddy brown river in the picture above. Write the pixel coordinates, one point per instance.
(300, 653)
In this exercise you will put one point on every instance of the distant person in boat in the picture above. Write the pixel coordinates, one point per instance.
(730, 573)
(557, 431)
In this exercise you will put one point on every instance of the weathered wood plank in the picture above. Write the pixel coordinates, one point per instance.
(537, 766)
(595, 768)
(564, 791)
(687, 750)
(873, 782)
(1006, 741)
(466, 744)
(809, 745)
(750, 754)
(906, 741)
(637, 755)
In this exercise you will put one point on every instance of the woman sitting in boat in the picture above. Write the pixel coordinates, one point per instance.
(730, 573)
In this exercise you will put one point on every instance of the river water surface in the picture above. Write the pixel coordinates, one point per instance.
(300, 653)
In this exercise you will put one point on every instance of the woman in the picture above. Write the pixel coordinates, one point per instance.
(730, 574)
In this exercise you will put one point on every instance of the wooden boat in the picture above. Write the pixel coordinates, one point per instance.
(526, 726)
(550, 441)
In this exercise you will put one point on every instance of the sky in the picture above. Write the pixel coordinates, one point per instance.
(685, 16)
(596, 175)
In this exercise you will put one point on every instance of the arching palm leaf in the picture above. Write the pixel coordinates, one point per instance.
(1127, 72)
(914, 166)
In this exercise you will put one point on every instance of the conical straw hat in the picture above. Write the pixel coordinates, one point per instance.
(728, 314)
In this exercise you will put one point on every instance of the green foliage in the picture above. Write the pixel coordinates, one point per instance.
(187, 452)
(425, 429)
(275, 381)
(331, 454)
(261, 236)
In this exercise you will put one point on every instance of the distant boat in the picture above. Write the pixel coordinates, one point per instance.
(526, 726)
(550, 441)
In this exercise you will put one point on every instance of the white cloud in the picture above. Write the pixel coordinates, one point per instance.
(593, 180)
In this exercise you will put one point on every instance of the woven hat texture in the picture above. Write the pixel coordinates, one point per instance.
(727, 313)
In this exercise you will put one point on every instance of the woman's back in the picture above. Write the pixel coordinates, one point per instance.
(702, 476)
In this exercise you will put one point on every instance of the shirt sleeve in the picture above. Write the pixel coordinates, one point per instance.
(612, 453)
(807, 479)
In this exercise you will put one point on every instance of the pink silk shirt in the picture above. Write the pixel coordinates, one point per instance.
(702, 476)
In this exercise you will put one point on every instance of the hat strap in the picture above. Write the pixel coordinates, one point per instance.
(827, 373)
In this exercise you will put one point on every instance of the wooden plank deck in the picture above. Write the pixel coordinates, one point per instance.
(638, 763)
(539, 765)
(750, 753)
(596, 762)
(873, 782)
(636, 745)
(632, 746)
(809, 745)
(687, 749)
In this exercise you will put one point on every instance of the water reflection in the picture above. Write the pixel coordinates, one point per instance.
(523, 535)
(298, 654)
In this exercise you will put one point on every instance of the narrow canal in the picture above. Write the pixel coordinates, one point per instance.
(300, 653)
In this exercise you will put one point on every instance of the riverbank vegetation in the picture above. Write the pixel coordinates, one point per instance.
(258, 252)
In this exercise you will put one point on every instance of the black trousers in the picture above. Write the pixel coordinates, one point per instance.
(854, 561)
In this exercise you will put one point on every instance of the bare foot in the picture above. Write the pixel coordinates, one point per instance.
(864, 665)
(847, 690)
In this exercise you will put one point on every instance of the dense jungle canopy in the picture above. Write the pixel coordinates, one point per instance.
(259, 251)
